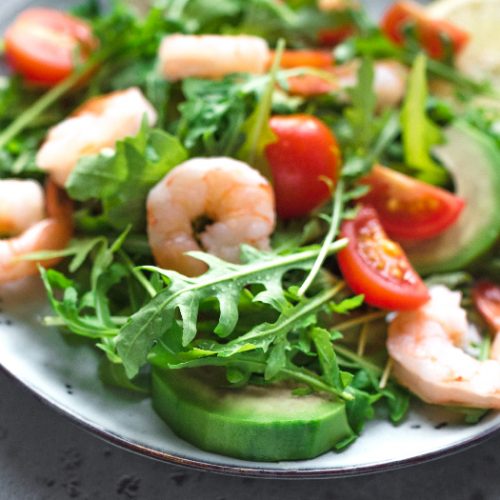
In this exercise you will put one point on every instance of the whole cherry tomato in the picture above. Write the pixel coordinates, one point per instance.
(304, 162)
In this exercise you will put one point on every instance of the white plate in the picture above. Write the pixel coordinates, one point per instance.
(63, 372)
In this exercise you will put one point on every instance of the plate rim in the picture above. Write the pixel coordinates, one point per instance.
(261, 472)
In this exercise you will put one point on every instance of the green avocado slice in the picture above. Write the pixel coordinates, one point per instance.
(473, 159)
(251, 423)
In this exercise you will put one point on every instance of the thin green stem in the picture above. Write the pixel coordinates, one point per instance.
(137, 273)
(330, 236)
(49, 98)
(347, 353)
(360, 320)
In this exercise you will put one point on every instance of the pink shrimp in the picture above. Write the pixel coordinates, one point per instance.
(50, 233)
(426, 346)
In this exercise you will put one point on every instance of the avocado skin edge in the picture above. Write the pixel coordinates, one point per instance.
(451, 251)
(216, 425)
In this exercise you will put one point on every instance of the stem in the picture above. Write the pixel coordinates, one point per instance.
(362, 339)
(347, 353)
(58, 321)
(314, 382)
(47, 99)
(385, 376)
(138, 274)
(332, 232)
(360, 320)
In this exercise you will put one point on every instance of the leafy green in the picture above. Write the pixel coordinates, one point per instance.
(122, 180)
(223, 281)
(419, 133)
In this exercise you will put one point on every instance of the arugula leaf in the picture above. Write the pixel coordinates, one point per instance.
(256, 127)
(223, 281)
(420, 134)
(327, 357)
(123, 179)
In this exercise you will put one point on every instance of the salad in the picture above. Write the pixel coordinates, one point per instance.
(278, 220)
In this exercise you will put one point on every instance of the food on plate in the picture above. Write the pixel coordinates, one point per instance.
(263, 216)
(94, 126)
(427, 344)
(44, 45)
(237, 202)
(53, 231)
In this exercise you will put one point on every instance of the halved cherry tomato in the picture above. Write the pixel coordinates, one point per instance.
(305, 154)
(377, 267)
(410, 209)
(433, 34)
(486, 297)
(43, 44)
(304, 58)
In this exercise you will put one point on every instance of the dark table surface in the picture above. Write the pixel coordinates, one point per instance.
(44, 456)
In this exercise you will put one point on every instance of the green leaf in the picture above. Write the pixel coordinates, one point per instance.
(420, 134)
(220, 282)
(122, 180)
(256, 127)
(327, 357)
(277, 360)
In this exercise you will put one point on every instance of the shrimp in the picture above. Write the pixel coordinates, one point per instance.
(212, 56)
(329, 5)
(426, 346)
(92, 128)
(237, 200)
(50, 233)
(21, 205)
(389, 82)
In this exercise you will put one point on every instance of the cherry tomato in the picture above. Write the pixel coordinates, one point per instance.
(333, 36)
(377, 267)
(43, 44)
(486, 297)
(305, 154)
(304, 58)
(410, 209)
(433, 34)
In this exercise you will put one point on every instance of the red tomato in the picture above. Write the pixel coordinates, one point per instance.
(410, 209)
(377, 267)
(42, 44)
(305, 154)
(486, 297)
(333, 36)
(304, 58)
(431, 33)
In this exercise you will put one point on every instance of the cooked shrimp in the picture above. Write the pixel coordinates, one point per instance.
(327, 5)
(93, 127)
(389, 82)
(426, 346)
(211, 56)
(51, 233)
(237, 200)
(21, 205)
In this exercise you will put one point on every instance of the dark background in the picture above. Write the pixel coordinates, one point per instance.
(44, 456)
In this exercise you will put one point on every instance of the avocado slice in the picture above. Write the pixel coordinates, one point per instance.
(251, 423)
(473, 160)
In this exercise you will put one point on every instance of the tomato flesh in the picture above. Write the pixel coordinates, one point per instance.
(409, 209)
(43, 45)
(433, 34)
(486, 298)
(377, 267)
(305, 154)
